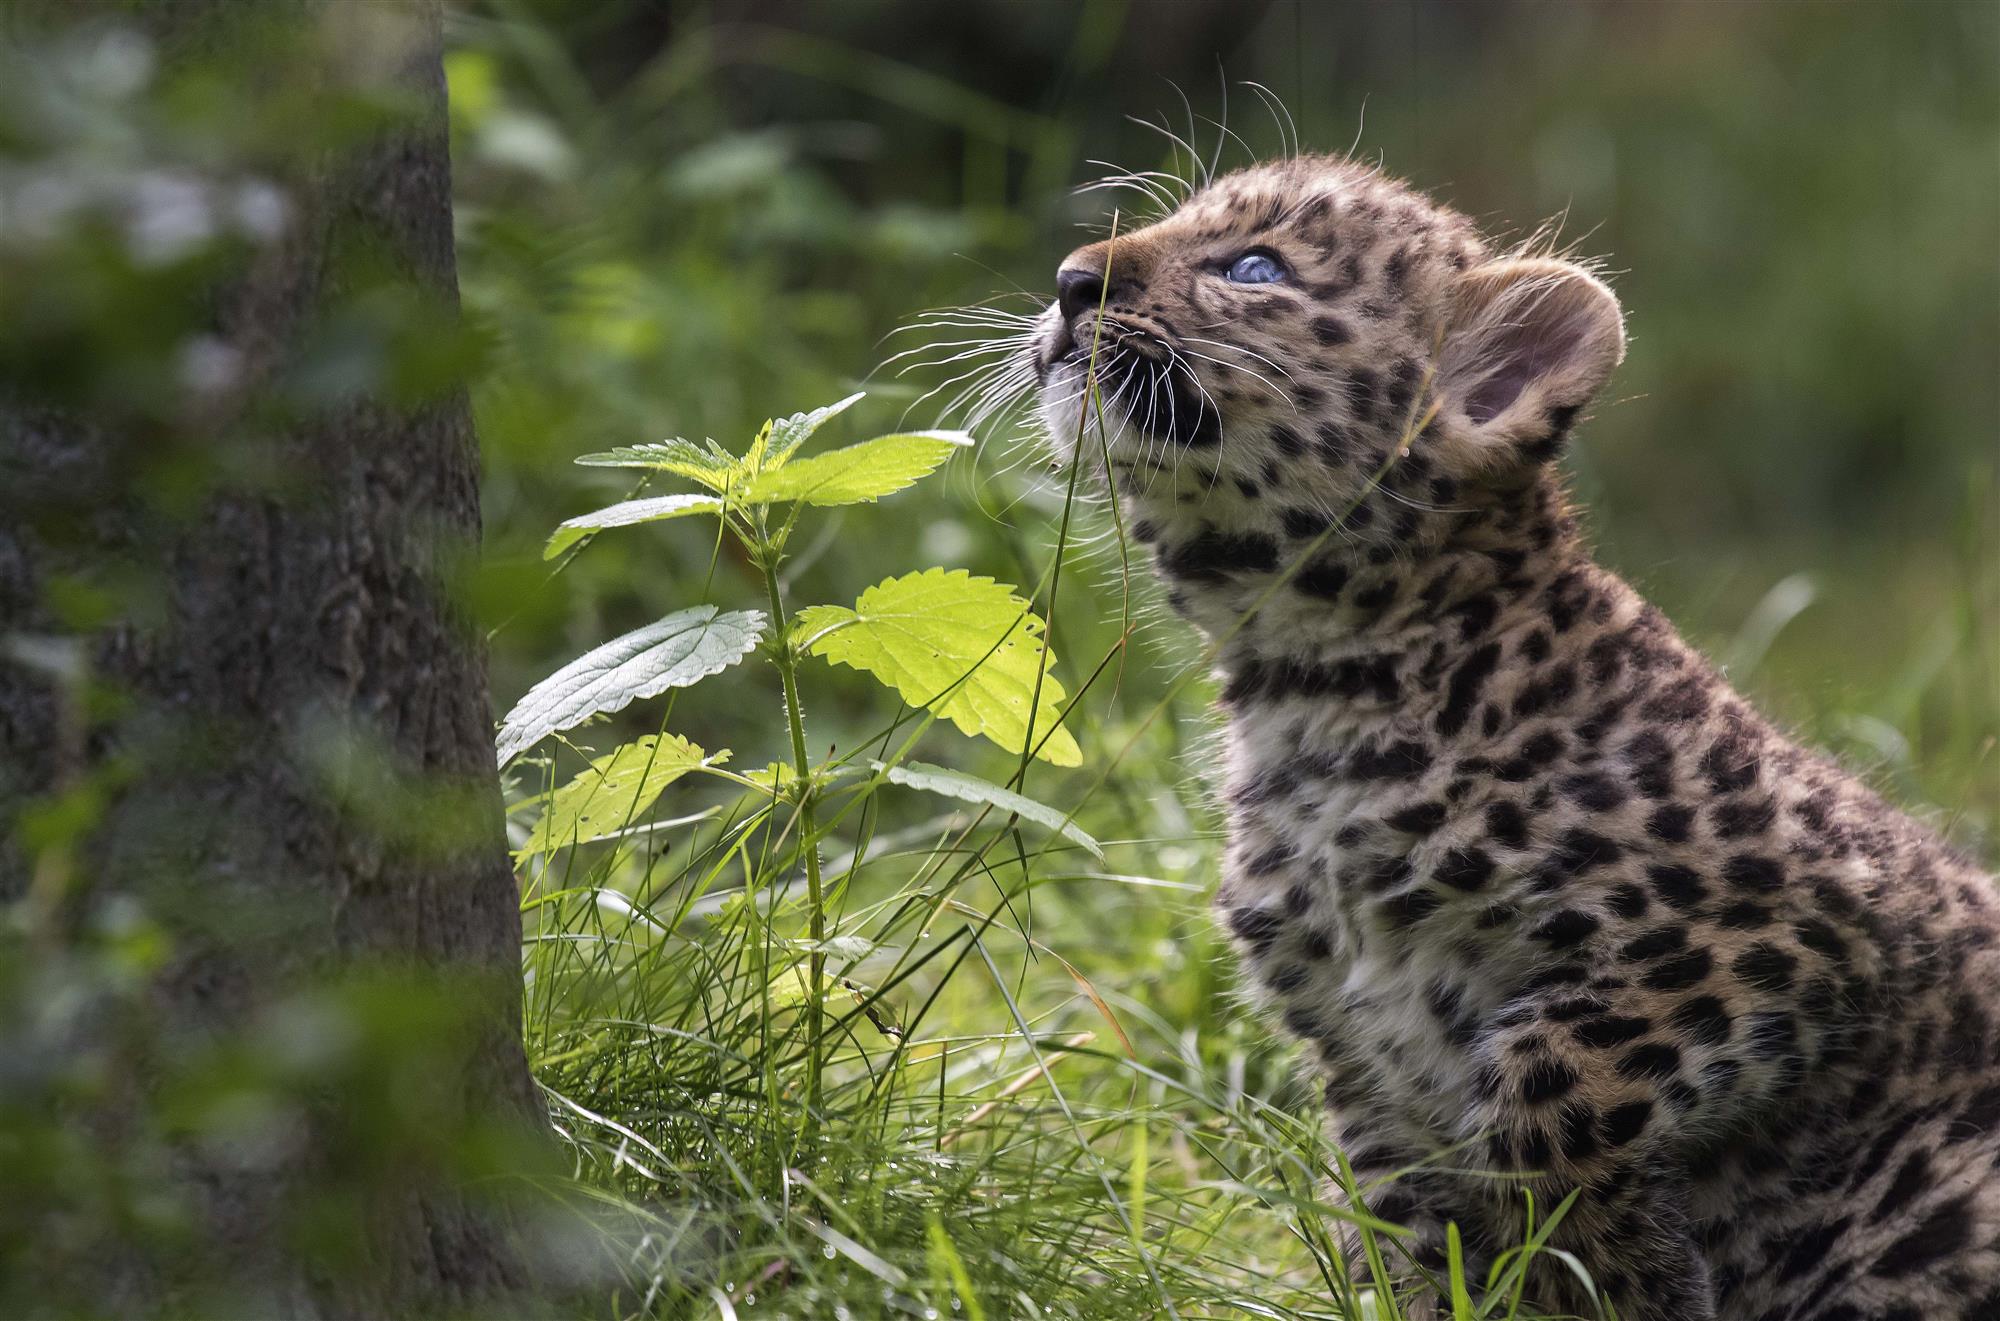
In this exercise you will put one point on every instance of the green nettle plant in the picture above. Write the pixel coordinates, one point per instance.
(773, 1080)
(949, 643)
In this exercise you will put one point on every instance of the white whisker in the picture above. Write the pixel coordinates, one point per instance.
(1236, 348)
(1281, 117)
(1257, 376)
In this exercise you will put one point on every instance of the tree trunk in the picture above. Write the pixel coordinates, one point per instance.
(265, 945)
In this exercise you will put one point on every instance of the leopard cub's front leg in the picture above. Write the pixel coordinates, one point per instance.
(1546, 1127)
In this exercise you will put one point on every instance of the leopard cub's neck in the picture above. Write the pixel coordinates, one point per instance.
(1366, 613)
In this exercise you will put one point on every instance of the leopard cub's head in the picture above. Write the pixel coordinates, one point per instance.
(1307, 339)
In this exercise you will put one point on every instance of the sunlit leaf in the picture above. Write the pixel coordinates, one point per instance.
(867, 471)
(786, 434)
(709, 465)
(972, 789)
(650, 510)
(615, 790)
(773, 776)
(685, 647)
(766, 473)
(967, 647)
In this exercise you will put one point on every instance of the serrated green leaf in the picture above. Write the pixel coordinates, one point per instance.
(674, 652)
(753, 457)
(766, 474)
(964, 646)
(711, 466)
(773, 776)
(615, 789)
(867, 471)
(972, 789)
(785, 435)
(650, 510)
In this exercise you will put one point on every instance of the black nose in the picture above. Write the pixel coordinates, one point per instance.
(1078, 291)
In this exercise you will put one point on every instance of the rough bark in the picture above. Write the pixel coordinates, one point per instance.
(287, 730)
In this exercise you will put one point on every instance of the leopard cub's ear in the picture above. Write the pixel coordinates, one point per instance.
(1528, 343)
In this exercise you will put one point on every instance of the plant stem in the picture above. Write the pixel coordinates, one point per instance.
(787, 662)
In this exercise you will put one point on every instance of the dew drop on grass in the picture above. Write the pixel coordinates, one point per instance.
(827, 1251)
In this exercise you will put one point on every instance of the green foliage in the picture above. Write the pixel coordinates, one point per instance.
(709, 465)
(715, 467)
(615, 790)
(807, 1021)
(656, 509)
(863, 472)
(686, 646)
(766, 475)
(859, 473)
(966, 647)
(972, 789)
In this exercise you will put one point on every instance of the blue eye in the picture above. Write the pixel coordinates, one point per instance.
(1255, 268)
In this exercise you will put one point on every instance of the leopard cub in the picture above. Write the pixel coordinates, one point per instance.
(1543, 897)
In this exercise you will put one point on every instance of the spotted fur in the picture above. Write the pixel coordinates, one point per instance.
(1540, 893)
